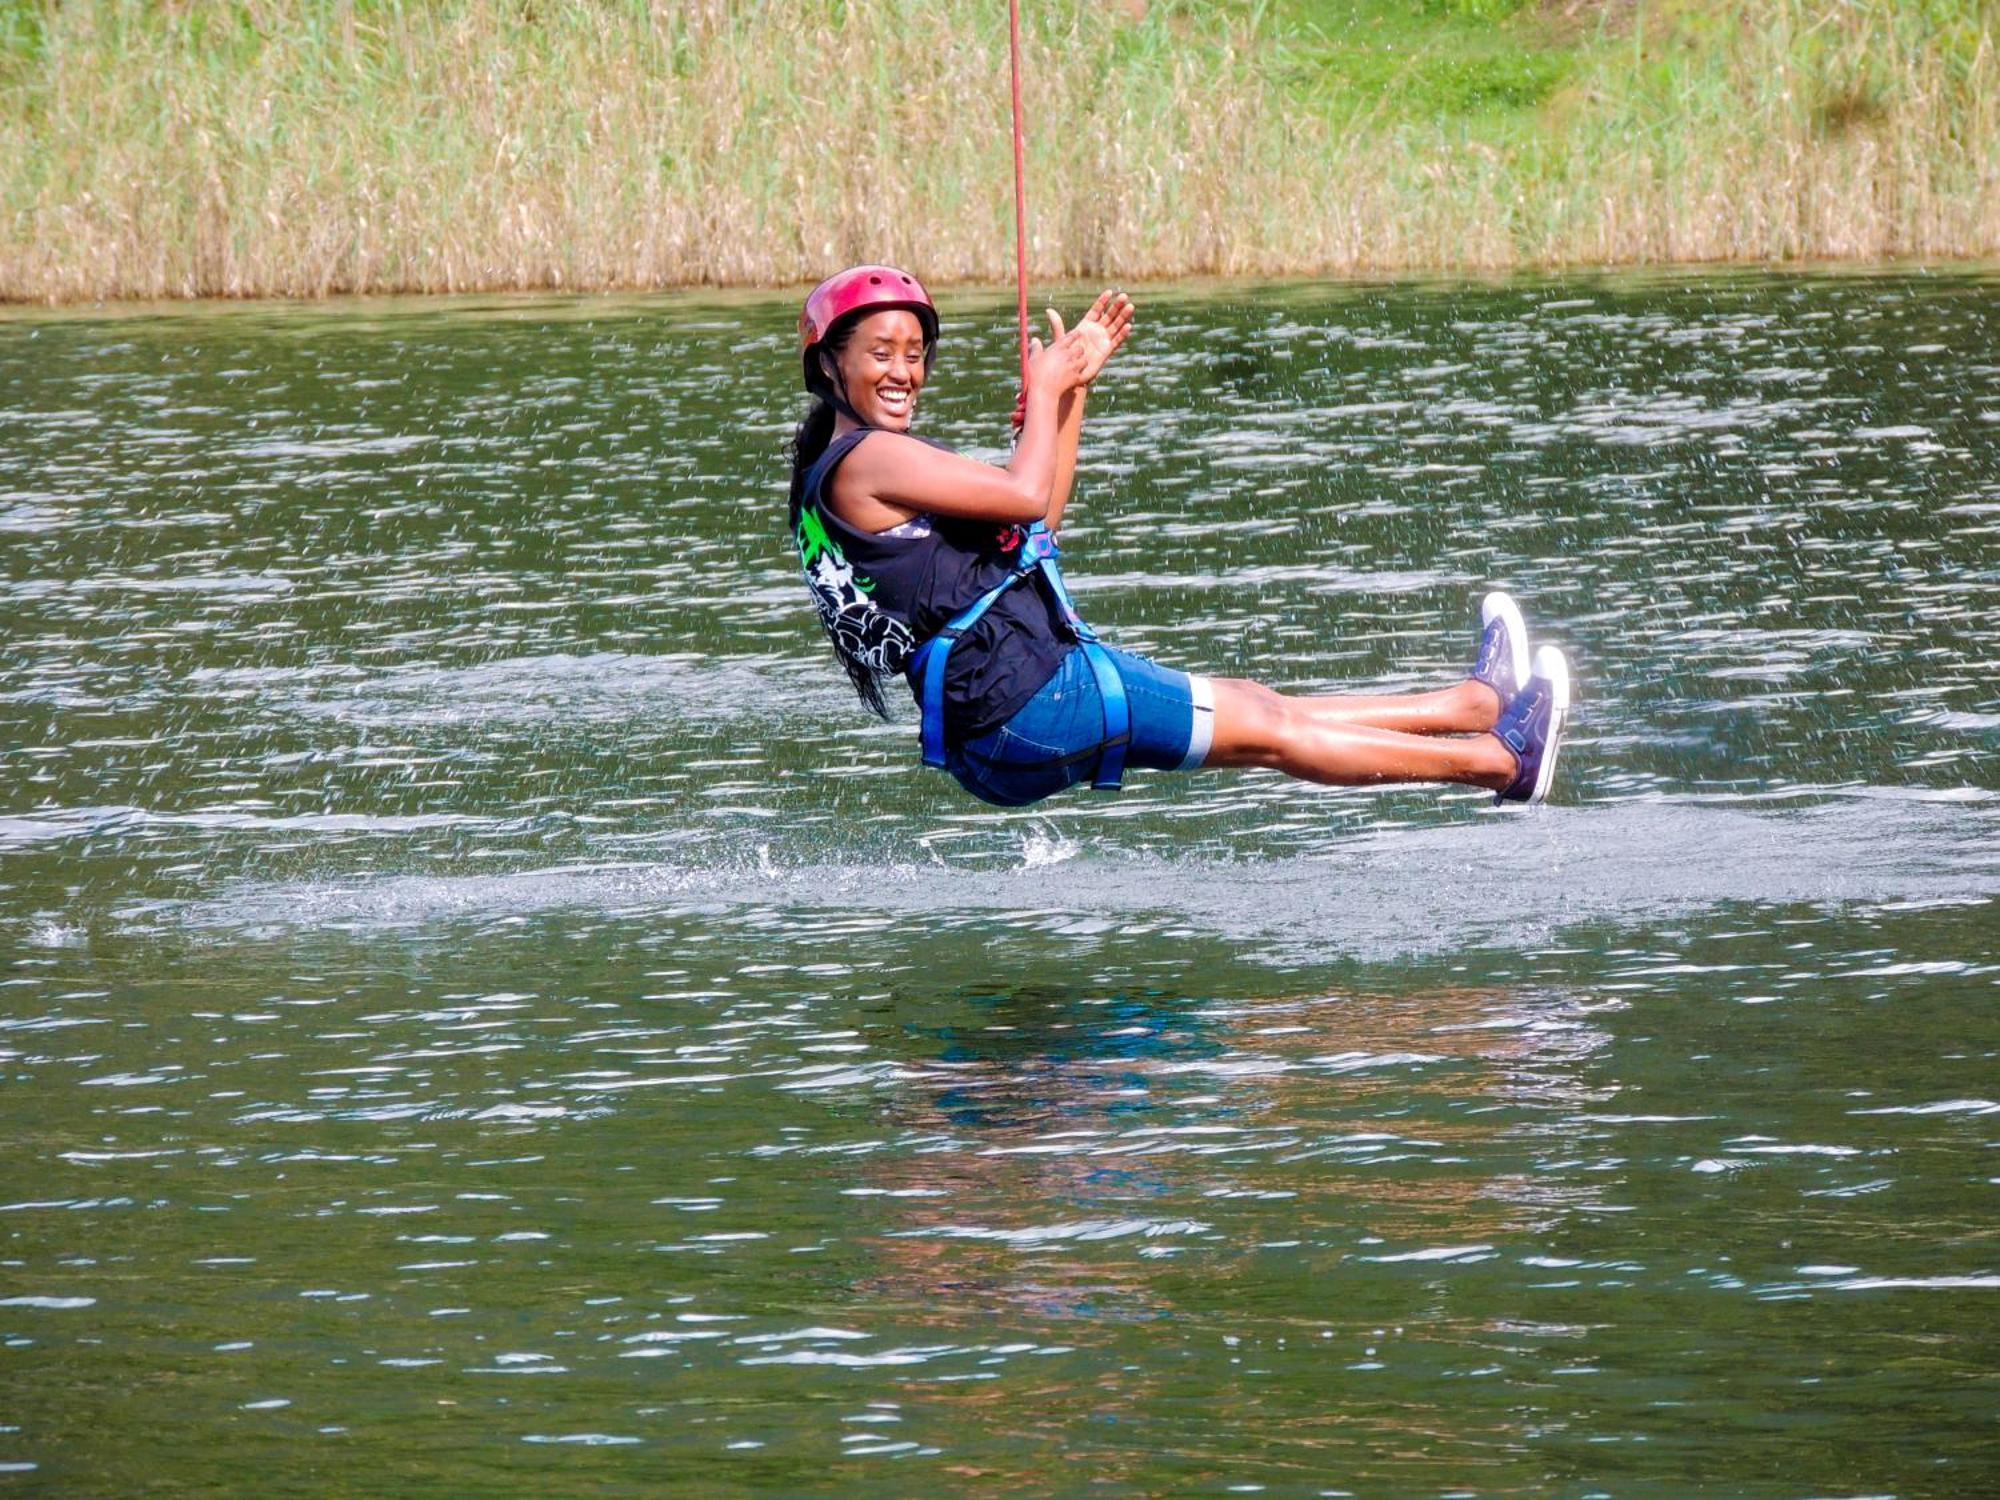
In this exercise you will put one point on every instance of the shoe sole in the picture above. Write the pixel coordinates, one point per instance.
(1550, 665)
(1502, 606)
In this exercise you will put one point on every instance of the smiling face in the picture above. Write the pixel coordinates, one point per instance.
(882, 368)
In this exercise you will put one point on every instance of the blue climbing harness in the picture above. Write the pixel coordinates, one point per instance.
(1038, 554)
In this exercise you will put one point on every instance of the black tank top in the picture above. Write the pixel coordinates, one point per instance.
(927, 570)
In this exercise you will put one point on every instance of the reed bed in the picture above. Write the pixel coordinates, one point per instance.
(288, 148)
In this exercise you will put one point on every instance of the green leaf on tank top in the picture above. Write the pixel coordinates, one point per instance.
(813, 541)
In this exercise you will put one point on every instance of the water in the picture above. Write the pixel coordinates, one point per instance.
(483, 1008)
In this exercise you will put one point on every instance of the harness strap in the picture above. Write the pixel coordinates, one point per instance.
(930, 662)
(1045, 559)
(1117, 716)
(1038, 554)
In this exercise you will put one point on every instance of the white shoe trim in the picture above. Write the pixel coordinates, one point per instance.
(1502, 606)
(1554, 670)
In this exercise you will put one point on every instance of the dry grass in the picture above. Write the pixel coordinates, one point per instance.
(291, 148)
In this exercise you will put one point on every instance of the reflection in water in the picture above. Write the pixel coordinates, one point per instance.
(1363, 1124)
(1071, 1107)
(480, 1002)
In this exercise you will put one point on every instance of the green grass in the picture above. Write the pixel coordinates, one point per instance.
(1360, 60)
(302, 147)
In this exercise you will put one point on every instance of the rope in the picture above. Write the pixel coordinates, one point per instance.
(1020, 185)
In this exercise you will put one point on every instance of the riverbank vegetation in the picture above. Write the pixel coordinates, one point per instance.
(307, 147)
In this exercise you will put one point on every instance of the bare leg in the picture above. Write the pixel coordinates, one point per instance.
(1470, 708)
(1255, 726)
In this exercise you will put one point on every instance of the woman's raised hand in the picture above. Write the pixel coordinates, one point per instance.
(1100, 334)
(1059, 365)
(1104, 328)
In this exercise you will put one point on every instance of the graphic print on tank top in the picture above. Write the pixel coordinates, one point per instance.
(860, 632)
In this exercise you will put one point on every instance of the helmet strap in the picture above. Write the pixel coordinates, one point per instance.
(837, 390)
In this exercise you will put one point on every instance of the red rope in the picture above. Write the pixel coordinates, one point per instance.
(1020, 185)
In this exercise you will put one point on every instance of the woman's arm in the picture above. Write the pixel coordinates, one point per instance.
(1069, 431)
(1103, 329)
(892, 477)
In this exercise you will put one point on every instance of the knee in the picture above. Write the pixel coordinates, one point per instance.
(1266, 720)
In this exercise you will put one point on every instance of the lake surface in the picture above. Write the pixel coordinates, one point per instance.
(485, 1012)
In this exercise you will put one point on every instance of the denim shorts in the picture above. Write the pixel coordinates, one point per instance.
(1054, 739)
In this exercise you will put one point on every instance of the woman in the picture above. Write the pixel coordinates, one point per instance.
(925, 563)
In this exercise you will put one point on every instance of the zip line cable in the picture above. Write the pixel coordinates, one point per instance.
(1020, 185)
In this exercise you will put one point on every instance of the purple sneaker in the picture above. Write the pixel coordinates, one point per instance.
(1502, 662)
(1532, 727)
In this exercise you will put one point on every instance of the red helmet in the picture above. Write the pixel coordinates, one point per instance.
(861, 289)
